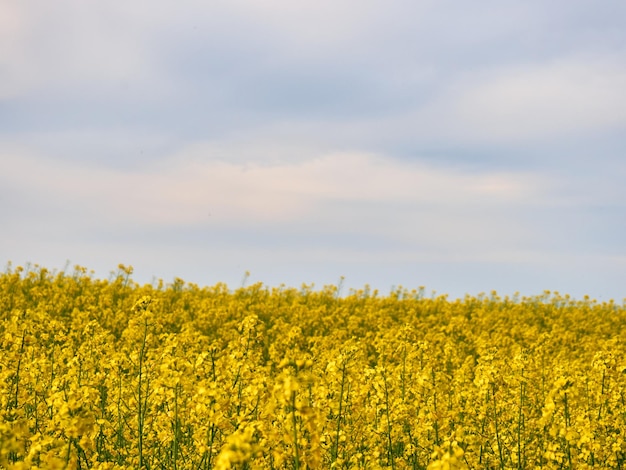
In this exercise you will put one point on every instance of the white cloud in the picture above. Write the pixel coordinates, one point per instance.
(446, 211)
(68, 45)
(285, 116)
(534, 101)
(71, 44)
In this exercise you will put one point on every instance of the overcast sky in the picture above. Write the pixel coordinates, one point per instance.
(461, 146)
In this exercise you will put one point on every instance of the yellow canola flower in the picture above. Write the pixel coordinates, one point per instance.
(110, 374)
(448, 458)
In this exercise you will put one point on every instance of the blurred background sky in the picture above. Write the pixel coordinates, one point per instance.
(461, 146)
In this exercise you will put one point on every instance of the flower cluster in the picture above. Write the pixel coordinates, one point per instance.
(109, 374)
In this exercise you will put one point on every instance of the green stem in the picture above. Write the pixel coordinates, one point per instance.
(495, 417)
(295, 431)
(567, 424)
(176, 428)
(520, 423)
(335, 451)
(14, 403)
(390, 455)
(141, 405)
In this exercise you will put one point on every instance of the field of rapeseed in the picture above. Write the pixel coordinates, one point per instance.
(104, 374)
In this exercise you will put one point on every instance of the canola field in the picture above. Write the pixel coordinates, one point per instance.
(110, 374)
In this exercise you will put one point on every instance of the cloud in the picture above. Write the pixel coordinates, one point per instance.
(184, 188)
(385, 136)
(532, 102)
(417, 72)
(69, 47)
(392, 206)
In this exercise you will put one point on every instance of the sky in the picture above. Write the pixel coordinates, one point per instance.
(460, 146)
